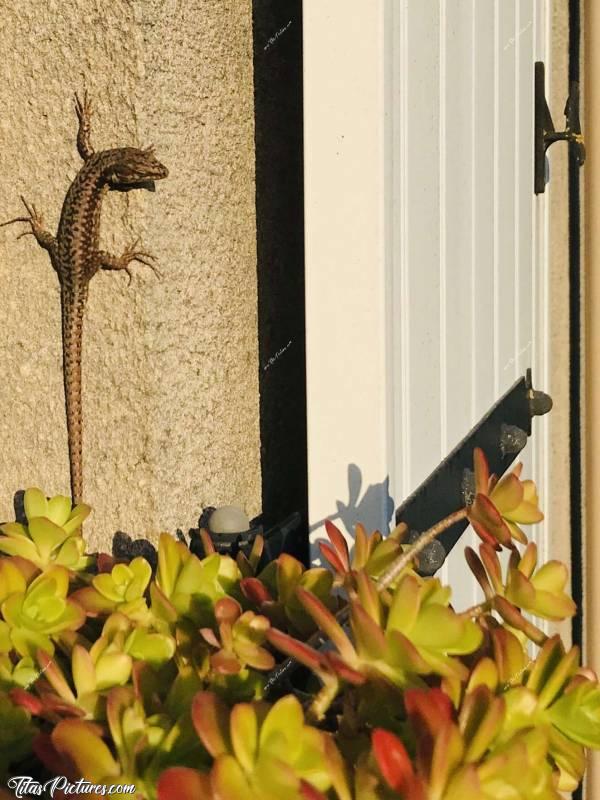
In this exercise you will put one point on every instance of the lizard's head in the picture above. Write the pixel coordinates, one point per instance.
(135, 169)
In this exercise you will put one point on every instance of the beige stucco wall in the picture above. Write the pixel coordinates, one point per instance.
(557, 503)
(591, 418)
(170, 367)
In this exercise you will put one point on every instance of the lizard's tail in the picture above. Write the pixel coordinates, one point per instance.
(72, 329)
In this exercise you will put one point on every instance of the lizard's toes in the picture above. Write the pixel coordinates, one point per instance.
(140, 258)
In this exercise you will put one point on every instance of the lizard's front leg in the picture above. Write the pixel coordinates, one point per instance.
(104, 260)
(43, 237)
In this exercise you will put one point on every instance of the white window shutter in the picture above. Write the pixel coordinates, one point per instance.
(426, 269)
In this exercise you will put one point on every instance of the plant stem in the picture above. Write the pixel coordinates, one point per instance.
(404, 560)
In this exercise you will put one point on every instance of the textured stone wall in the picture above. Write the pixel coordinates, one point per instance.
(557, 503)
(170, 367)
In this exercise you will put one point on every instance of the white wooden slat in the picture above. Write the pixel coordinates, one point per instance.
(537, 457)
(481, 218)
(482, 210)
(457, 261)
(397, 267)
(504, 215)
(422, 198)
(524, 41)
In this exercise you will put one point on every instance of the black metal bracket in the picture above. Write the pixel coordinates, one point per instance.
(545, 133)
(502, 433)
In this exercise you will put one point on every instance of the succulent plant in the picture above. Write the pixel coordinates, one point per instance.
(413, 633)
(501, 506)
(241, 636)
(79, 688)
(372, 553)
(273, 592)
(549, 692)
(228, 656)
(52, 534)
(555, 695)
(540, 592)
(519, 767)
(142, 745)
(139, 680)
(123, 590)
(258, 752)
(188, 587)
(459, 758)
(35, 615)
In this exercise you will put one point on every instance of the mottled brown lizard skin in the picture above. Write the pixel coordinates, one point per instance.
(76, 257)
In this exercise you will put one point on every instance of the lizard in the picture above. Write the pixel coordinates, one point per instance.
(76, 257)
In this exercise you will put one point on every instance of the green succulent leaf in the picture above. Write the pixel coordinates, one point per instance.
(112, 669)
(58, 510)
(40, 612)
(46, 536)
(78, 514)
(509, 656)
(244, 735)
(155, 648)
(569, 758)
(16, 734)
(211, 721)
(230, 780)
(12, 580)
(82, 743)
(480, 721)
(577, 714)
(35, 503)
(184, 783)
(406, 604)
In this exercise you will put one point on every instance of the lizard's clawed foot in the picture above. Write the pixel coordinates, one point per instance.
(34, 219)
(83, 109)
(130, 255)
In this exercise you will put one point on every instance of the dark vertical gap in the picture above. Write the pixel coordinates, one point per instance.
(575, 340)
(277, 30)
(575, 349)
